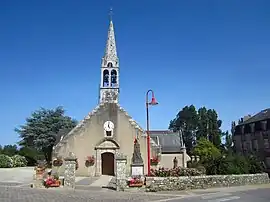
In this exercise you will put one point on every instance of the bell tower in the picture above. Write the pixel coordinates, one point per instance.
(109, 85)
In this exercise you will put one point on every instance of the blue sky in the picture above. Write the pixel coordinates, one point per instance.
(206, 53)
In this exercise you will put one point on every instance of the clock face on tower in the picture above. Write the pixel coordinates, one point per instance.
(108, 126)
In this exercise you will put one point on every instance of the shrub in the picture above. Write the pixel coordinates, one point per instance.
(255, 165)
(175, 172)
(31, 155)
(19, 161)
(205, 149)
(5, 161)
(232, 164)
(197, 165)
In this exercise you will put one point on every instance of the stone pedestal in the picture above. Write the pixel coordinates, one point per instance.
(137, 161)
(121, 178)
(137, 170)
(70, 169)
(39, 177)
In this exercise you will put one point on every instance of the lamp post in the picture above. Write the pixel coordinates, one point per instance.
(153, 102)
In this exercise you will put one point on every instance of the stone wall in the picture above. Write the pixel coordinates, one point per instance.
(121, 165)
(203, 182)
(70, 169)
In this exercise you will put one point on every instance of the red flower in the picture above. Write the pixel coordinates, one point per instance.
(154, 160)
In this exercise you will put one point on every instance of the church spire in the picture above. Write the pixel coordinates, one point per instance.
(109, 86)
(110, 50)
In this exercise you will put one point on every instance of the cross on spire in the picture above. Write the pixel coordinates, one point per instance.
(111, 13)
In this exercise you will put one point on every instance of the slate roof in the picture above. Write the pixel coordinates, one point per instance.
(171, 142)
(262, 115)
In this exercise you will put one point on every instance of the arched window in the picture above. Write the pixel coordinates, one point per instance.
(105, 78)
(113, 78)
(109, 65)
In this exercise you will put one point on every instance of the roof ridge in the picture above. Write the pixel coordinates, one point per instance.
(130, 119)
(79, 125)
(92, 113)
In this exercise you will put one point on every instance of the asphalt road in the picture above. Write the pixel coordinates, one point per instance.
(18, 193)
(257, 195)
(14, 187)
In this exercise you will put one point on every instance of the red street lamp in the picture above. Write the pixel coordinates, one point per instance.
(153, 102)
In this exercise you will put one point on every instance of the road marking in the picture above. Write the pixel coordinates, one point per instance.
(168, 199)
(225, 199)
(215, 195)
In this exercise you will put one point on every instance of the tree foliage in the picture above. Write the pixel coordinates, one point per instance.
(9, 150)
(232, 164)
(186, 121)
(194, 125)
(42, 128)
(205, 149)
(31, 154)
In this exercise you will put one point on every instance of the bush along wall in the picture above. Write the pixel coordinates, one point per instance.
(14, 161)
(154, 184)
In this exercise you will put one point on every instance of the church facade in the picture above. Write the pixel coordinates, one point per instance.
(109, 130)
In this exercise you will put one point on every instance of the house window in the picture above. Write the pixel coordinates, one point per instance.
(248, 145)
(264, 125)
(267, 162)
(255, 145)
(258, 126)
(242, 129)
(252, 127)
(266, 143)
(247, 129)
(268, 124)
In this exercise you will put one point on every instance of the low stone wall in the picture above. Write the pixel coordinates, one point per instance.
(203, 182)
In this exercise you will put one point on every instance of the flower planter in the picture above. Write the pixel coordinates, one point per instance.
(136, 185)
(135, 182)
(52, 183)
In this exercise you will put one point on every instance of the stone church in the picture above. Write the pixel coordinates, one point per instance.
(109, 130)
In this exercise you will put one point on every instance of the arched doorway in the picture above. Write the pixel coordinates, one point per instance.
(107, 163)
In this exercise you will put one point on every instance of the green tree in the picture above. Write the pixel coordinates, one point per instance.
(41, 129)
(203, 121)
(186, 121)
(228, 141)
(233, 125)
(214, 131)
(31, 155)
(227, 147)
(205, 149)
(10, 150)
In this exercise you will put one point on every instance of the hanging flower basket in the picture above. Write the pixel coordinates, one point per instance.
(154, 161)
(57, 162)
(90, 161)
